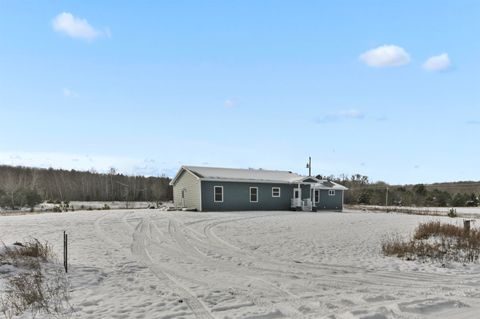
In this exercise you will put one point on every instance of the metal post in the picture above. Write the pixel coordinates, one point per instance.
(65, 251)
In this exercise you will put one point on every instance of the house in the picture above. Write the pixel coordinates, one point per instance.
(232, 189)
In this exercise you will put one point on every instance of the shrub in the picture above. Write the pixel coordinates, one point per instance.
(452, 213)
(105, 207)
(56, 209)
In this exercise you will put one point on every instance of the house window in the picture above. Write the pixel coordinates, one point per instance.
(331, 192)
(218, 194)
(317, 196)
(253, 194)
(275, 191)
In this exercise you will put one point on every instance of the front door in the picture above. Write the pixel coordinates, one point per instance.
(183, 197)
(296, 193)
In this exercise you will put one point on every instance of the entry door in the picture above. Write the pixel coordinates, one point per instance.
(296, 193)
(184, 191)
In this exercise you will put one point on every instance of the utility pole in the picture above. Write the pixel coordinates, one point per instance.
(309, 166)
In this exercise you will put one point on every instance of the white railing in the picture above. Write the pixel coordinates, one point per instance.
(307, 205)
(304, 204)
(296, 202)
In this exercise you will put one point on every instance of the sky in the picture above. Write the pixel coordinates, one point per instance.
(387, 89)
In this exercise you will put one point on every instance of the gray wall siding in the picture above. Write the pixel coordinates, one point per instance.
(236, 196)
(328, 202)
(192, 195)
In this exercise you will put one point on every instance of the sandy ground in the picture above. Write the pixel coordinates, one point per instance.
(152, 264)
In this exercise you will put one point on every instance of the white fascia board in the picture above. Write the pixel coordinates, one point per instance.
(245, 181)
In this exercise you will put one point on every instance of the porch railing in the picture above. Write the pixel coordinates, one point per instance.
(304, 204)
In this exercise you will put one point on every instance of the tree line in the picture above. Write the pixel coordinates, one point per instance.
(26, 186)
(362, 191)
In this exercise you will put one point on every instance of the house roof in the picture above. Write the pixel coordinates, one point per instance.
(243, 175)
(326, 184)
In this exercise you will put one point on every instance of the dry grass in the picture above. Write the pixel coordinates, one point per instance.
(436, 228)
(30, 249)
(436, 241)
(39, 284)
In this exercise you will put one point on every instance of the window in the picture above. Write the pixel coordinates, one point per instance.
(218, 194)
(253, 194)
(275, 191)
(331, 192)
(317, 196)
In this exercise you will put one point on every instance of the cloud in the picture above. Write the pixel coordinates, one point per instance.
(341, 115)
(385, 56)
(74, 27)
(229, 103)
(437, 63)
(69, 93)
(473, 122)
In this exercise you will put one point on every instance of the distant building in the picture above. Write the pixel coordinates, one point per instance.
(232, 189)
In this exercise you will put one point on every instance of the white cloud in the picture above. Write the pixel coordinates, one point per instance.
(437, 63)
(385, 56)
(69, 93)
(229, 103)
(74, 27)
(342, 115)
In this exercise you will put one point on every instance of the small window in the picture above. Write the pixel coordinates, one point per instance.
(253, 194)
(317, 196)
(275, 191)
(218, 194)
(331, 192)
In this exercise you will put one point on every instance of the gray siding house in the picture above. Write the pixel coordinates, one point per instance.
(231, 189)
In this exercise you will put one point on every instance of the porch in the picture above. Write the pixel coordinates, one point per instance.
(305, 205)
(306, 202)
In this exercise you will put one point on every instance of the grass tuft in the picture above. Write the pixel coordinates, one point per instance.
(38, 285)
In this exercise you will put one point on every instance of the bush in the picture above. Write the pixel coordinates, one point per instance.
(56, 209)
(452, 213)
(105, 207)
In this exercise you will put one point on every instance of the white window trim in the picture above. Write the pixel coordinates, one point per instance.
(214, 193)
(250, 194)
(279, 191)
(331, 192)
(315, 192)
